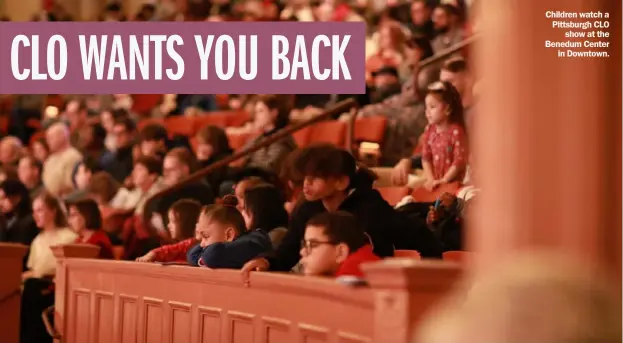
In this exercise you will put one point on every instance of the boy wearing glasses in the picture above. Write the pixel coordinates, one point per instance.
(335, 245)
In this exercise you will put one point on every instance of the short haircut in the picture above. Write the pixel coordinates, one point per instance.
(226, 215)
(89, 210)
(151, 163)
(14, 188)
(324, 161)
(126, 122)
(456, 65)
(187, 212)
(104, 185)
(33, 162)
(341, 227)
(153, 132)
(185, 157)
(265, 203)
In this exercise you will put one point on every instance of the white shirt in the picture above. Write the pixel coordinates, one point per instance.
(41, 260)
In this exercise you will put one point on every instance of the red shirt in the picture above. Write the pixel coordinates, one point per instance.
(174, 252)
(445, 149)
(352, 265)
(99, 238)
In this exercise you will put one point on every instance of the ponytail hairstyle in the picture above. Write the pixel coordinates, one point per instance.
(445, 92)
(226, 214)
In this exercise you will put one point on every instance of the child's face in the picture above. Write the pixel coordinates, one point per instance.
(436, 111)
(320, 256)
(315, 188)
(173, 225)
(204, 151)
(211, 231)
(76, 220)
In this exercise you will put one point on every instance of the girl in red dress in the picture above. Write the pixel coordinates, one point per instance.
(85, 219)
(444, 150)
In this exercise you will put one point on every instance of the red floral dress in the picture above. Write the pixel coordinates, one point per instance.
(445, 149)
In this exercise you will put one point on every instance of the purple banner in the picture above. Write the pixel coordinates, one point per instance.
(182, 58)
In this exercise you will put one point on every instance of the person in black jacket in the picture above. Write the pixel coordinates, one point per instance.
(332, 182)
(15, 206)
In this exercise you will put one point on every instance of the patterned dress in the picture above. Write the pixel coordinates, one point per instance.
(444, 149)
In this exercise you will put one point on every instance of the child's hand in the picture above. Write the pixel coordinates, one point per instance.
(447, 199)
(432, 216)
(149, 257)
(430, 185)
(400, 172)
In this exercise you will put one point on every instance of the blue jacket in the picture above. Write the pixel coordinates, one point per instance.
(232, 255)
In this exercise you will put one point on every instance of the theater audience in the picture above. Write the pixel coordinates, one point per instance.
(263, 208)
(58, 167)
(119, 162)
(386, 84)
(51, 220)
(29, 173)
(11, 150)
(213, 146)
(8, 172)
(147, 182)
(183, 216)
(85, 220)
(40, 149)
(421, 24)
(15, 207)
(153, 140)
(225, 242)
(103, 188)
(448, 28)
(335, 244)
(83, 172)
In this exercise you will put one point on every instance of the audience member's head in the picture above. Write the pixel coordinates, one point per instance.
(107, 120)
(219, 223)
(271, 113)
(40, 149)
(14, 198)
(84, 214)
(328, 171)
(392, 37)
(177, 164)
(147, 170)
(123, 130)
(420, 12)
(444, 18)
(183, 216)
(102, 187)
(48, 212)
(455, 71)
(10, 150)
(264, 208)
(57, 136)
(443, 104)
(76, 114)
(8, 172)
(153, 139)
(29, 171)
(329, 238)
(84, 171)
(212, 142)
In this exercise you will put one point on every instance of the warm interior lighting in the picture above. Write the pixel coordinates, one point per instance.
(51, 112)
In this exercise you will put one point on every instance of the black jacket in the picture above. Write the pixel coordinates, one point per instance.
(198, 191)
(387, 228)
(118, 164)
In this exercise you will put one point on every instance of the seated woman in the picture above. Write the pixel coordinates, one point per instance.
(213, 146)
(85, 220)
(263, 209)
(183, 216)
(50, 218)
(271, 115)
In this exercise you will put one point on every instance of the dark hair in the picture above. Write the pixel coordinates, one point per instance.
(265, 203)
(91, 164)
(89, 210)
(184, 156)
(43, 142)
(51, 202)
(447, 94)
(255, 172)
(328, 161)
(151, 163)
(226, 215)
(455, 65)
(113, 7)
(104, 185)
(281, 105)
(125, 121)
(187, 212)
(423, 44)
(33, 162)
(14, 188)
(341, 227)
(9, 171)
(153, 132)
(216, 137)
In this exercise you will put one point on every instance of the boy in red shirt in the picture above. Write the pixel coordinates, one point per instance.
(335, 244)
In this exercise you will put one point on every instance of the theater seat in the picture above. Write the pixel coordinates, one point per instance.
(180, 125)
(456, 256)
(332, 131)
(370, 129)
(407, 254)
(238, 140)
(142, 123)
(393, 195)
(238, 118)
(423, 195)
(143, 104)
(301, 137)
(211, 118)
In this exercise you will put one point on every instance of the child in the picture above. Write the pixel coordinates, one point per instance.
(85, 219)
(445, 150)
(263, 209)
(224, 240)
(335, 245)
(445, 220)
(332, 182)
(183, 216)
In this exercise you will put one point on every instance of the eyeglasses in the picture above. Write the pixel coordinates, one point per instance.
(310, 245)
